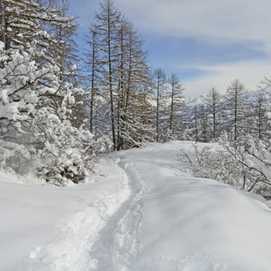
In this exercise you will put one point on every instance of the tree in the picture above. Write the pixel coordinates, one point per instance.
(36, 98)
(118, 66)
(123, 31)
(21, 87)
(234, 104)
(107, 28)
(134, 81)
(176, 102)
(258, 118)
(260, 114)
(195, 119)
(65, 53)
(213, 102)
(160, 79)
(25, 21)
(93, 45)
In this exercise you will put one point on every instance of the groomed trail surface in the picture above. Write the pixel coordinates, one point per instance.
(176, 222)
(141, 212)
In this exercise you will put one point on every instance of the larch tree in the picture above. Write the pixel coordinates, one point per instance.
(213, 103)
(234, 105)
(204, 135)
(134, 82)
(258, 119)
(122, 71)
(107, 25)
(93, 63)
(176, 103)
(159, 83)
(196, 123)
(118, 65)
(64, 35)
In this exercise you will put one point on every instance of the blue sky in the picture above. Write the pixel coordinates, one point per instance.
(206, 43)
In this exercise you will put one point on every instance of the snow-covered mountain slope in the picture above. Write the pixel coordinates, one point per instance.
(165, 220)
(48, 228)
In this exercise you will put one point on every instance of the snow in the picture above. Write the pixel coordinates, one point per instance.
(177, 222)
(48, 228)
(164, 220)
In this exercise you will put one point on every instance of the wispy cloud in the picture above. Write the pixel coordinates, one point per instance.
(233, 37)
(223, 20)
(250, 73)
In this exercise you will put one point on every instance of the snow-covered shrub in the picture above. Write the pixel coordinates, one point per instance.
(245, 164)
(18, 95)
(254, 157)
(20, 87)
(14, 158)
(65, 153)
(35, 121)
(213, 163)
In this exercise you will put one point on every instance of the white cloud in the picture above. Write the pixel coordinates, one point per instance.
(215, 21)
(250, 73)
(231, 20)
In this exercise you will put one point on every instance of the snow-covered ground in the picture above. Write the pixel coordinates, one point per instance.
(165, 220)
(48, 228)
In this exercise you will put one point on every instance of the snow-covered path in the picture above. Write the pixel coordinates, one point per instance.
(44, 228)
(176, 222)
(140, 213)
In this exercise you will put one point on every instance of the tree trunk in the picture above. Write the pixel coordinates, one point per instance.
(110, 77)
(157, 108)
(214, 115)
(235, 112)
(92, 81)
(4, 25)
(172, 106)
(121, 93)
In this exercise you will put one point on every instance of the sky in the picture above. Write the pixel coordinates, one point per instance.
(207, 43)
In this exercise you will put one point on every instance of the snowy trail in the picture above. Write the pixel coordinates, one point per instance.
(176, 222)
(140, 213)
(44, 228)
(118, 240)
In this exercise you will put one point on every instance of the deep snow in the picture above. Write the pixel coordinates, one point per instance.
(177, 222)
(48, 228)
(165, 220)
